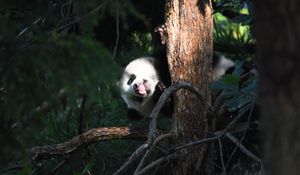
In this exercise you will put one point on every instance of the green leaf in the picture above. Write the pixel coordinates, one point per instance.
(221, 85)
(231, 79)
(25, 171)
(243, 19)
(236, 96)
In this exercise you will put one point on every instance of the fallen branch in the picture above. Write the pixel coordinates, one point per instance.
(91, 136)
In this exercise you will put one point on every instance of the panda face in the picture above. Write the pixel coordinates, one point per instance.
(140, 86)
(139, 78)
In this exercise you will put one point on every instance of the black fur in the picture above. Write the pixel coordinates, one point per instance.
(133, 114)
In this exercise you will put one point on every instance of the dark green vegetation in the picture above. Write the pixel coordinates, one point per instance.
(53, 53)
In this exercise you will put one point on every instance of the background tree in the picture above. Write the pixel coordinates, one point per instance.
(279, 80)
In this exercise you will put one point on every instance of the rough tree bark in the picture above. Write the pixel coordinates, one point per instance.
(278, 43)
(189, 27)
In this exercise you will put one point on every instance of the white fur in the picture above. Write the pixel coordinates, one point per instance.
(221, 67)
(144, 69)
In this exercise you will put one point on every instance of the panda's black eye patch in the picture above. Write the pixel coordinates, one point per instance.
(132, 77)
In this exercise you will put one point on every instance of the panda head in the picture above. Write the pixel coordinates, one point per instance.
(139, 78)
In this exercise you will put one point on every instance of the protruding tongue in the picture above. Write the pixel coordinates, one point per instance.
(141, 89)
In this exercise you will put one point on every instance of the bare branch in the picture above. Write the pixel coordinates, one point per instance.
(217, 135)
(166, 94)
(163, 98)
(133, 160)
(244, 134)
(152, 165)
(221, 156)
(93, 135)
(79, 18)
(172, 153)
(243, 148)
(246, 151)
(157, 140)
(154, 115)
(26, 28)
(117, 29)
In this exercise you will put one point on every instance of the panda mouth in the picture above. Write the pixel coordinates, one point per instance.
(141, 89)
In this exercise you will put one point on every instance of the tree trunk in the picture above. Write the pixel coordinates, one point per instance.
(277, 32)
(189, 27)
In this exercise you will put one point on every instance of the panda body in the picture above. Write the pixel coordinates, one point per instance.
(221, 64)
(142, 76)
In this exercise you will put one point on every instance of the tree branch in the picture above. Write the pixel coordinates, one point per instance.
(243, 148)
(133, 160)
(91, 136)
(216, 136)
(146, 155)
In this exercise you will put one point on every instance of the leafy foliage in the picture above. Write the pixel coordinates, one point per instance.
(237, 95)
(233, 37)
(233, 28)
(53, 52)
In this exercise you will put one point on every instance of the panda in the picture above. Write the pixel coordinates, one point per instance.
(145, 78)
(221, 66)
(143, 81)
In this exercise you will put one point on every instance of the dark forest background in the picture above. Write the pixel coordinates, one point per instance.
(55, 54)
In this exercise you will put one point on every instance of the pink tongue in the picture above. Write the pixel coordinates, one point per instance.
(141, 89)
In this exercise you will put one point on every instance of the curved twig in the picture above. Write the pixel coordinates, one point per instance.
(157, 140)
(166, 94)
